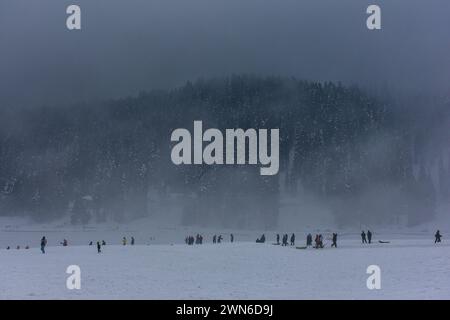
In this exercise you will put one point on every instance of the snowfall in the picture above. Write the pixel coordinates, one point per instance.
(161, 266)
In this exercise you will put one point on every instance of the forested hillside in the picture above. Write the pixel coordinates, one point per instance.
(111, 160)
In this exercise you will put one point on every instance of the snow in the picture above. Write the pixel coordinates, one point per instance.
(412, 267)
(161, 266)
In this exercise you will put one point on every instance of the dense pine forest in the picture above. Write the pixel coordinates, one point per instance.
(361, 155)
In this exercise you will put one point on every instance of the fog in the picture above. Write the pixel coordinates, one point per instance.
(341, 149)
(128, 46)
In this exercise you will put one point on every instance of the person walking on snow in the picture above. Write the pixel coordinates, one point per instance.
(285, 240)
(43, 244)
(334, 244)
(437, 237)
(318, 241)
(132, 241)
(309, 240)
(369, 236)
(231, 238)
(278, 238)
(292, 239)
(99, 247)
(124, 241)
(363, 237)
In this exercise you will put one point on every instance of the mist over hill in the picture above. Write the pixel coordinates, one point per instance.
(364, 157)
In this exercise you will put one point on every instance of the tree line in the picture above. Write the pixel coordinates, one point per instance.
(365, 157)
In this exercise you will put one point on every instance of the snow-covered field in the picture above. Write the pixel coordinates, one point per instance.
(411, 268)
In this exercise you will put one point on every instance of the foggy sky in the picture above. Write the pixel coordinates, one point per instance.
(126, 46)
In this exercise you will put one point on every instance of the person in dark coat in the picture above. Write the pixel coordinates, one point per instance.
(278, 238)
(369, 236)
(219, 239)
(363, 237)
(43, 244)
(292, 239)
(103, 243)
(334, 244)
(309, 240)
(214, 239)
(285, 239)
(437, 237)
(319, 241)
(132, 241)
(231, 238)
(99, 247)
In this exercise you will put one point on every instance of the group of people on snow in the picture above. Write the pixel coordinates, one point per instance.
(318, 240)
(364, 239)
(190, 240)
(18, 247)
(103, 243)
(217, 239)
(125, 241)
(198, 239)
(284, 240)
(65, 243)
(99, 245)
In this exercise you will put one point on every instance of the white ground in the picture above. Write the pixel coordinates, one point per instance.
(412, 267)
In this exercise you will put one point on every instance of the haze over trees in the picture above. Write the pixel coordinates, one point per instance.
(361, 156)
